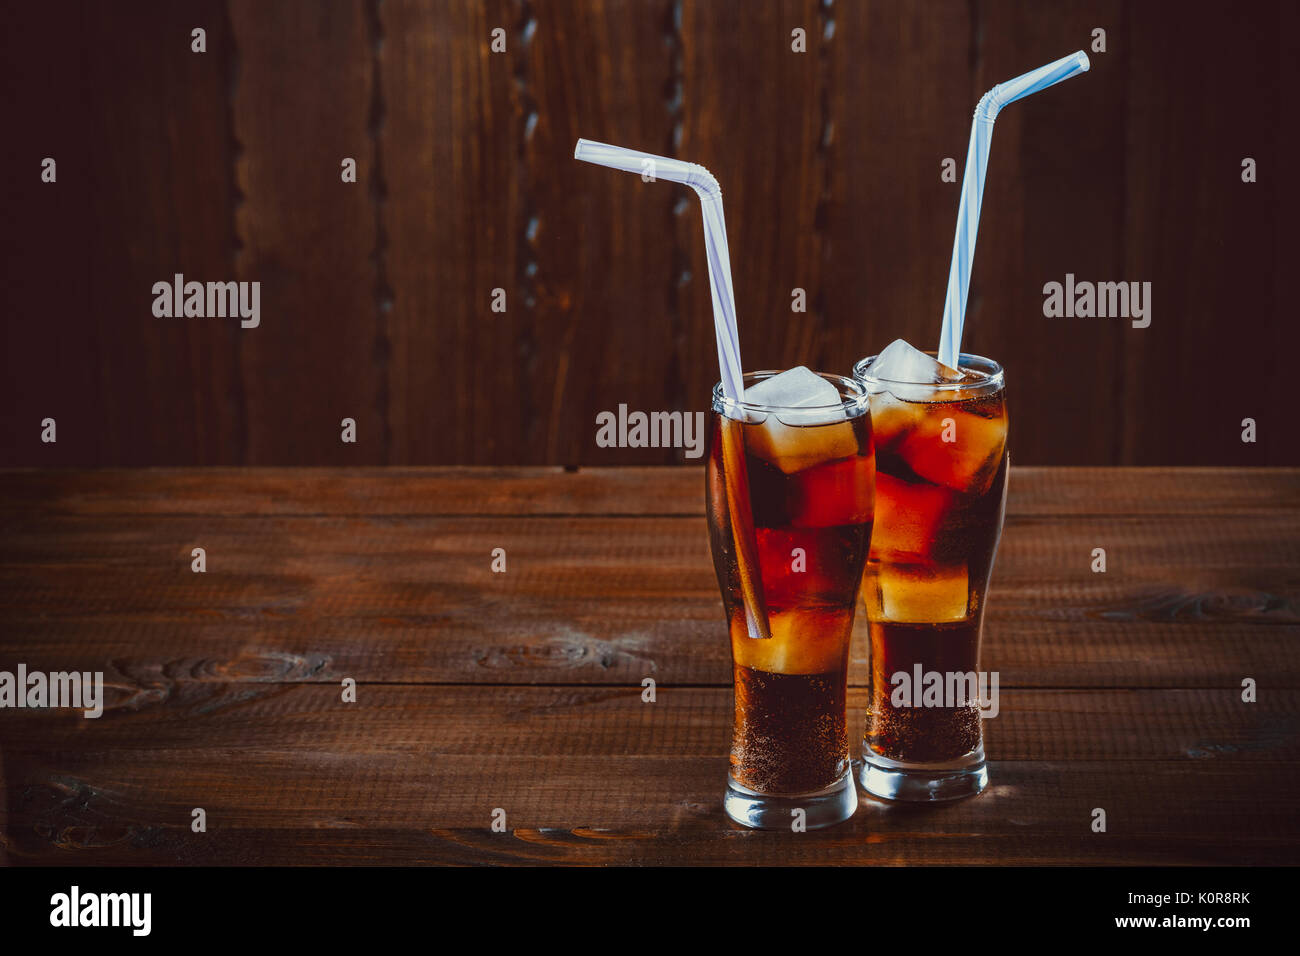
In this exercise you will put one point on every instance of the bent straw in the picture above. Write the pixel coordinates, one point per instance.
(736, 479)
(972, 189)
(715, 240)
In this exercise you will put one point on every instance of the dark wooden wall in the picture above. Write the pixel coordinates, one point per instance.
(376, 296)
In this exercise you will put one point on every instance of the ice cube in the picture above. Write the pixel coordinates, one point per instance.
(810, 427)
(945, 436)
(922, 594)
(908, 517)
(834, 495)
(967, 463)
(892, 420)
(906, 371)
(900, 362)
(804, 641)
(797, 387)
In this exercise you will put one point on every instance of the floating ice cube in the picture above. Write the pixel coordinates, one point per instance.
(797, 387)
(900, 362)
(923, 594)
(833, 496)
(910, 373)
(968, 462)
(908, 518)
(810, 426)
(893, 419)
(804, 641)
(957, 443)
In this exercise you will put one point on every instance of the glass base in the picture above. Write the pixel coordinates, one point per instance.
(764, 811)
(923, 782)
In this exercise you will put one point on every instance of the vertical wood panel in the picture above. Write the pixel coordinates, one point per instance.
(376, 296)
(1053, 204)
(159, 204)
(160, 200)
(753, 114)
(142, 193)
(904, 96)
(1283, 247)
(302, 101)
(604, 327)
(50, 368)
(450, 141)
(1206, 92)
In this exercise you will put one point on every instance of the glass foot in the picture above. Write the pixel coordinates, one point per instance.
(763, 811)
(923, 782)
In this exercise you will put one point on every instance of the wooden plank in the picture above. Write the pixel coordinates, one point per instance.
(160, 200)
(1053, 204)
(589, 491)
(50, 366)
(137, 125)
(754, 113)
(377, 295)
(902, 99)
(584, 721)
(1186, 601)
(450, 138)
(585, 776)
(1285, 199)
(887, 838)
(141, 657)
(1207, 241)
(599, 264)
(302, 102)
(1153, 491)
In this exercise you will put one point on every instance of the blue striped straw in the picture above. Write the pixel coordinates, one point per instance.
(715, 242)
(728, 341)
(972, 189)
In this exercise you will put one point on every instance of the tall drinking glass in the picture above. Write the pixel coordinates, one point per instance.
(810, 474)
(941, 479)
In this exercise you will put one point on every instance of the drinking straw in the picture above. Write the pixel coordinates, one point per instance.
(972, 189)
(735, 477)
(715, 241)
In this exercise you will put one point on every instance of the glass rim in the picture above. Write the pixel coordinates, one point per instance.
(991, 371)
(858, 402)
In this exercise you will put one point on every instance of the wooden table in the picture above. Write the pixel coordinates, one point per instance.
(523, 690)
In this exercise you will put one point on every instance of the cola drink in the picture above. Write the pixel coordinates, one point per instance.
(809, 474)
(941, 476)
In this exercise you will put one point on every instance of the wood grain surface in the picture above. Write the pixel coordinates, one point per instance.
(523, 690)
(225, 165)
